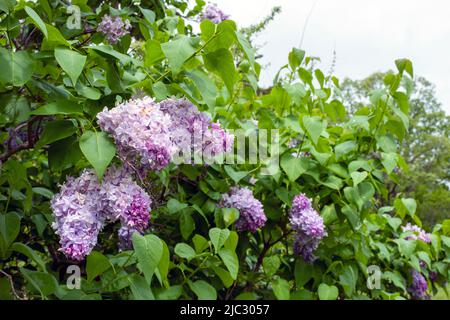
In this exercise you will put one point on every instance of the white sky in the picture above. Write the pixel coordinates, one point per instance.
(367, 35)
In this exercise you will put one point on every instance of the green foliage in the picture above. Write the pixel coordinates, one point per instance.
(55, 80)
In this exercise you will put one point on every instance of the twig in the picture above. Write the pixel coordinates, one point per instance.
(12, 284)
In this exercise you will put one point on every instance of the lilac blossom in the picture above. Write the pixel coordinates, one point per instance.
(194, 131)
(113, 28)
(214, 14)
(142, 133)
(76, 210)
(417, 233)
(251, 213)
(309, 227)
(419, 286)
(83, 206)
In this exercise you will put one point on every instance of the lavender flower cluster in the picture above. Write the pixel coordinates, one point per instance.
(214, 14)
(113, 28)
(141, 132)
(417, 233)
(309, 227)
(251, 213)
(84, 206)
(419, 286)
(151, 133)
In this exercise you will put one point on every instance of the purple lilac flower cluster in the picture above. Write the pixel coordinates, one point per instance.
(83, 207)
(251, 213)
(154, 132)
(194, 131)
(142, 132)
(417, 233)
(419, 286)
(309, 227)
(214, 14)
(113, 28)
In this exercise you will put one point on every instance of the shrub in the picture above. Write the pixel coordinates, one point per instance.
(78, 179)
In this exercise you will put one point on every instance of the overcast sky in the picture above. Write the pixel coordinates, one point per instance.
(367, 35)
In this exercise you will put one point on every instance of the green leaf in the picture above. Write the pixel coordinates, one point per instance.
(30, 253)
(71, 62)
(171, 293)
(358, 177)
(221, 63)
(98, 149)
(271, 265)
(140, 288)
(281, 289)
(352, 215)
(327, 292)
(404, 65)
(344, 148)
(43, 282)
(247, 48)
(56, 130)
(230, 260)
(173, 205)
(230, 215)
(218, 237)
(17, 67)
(109, 52)
(163, 266)
(235, 175)
(224, 275)
(348, 279)
(396, 278)
(314, 126)
(37, 20)
(303, 273)
(148, 14)
(64, 153)
(200, 243)
(96, 264)
(187, 225)
(9, 230)
(389, 161)
(149, 250)
(293, 166)
(406, 247)
(59, 107)
(55, 37)
(203, 290)
(7, 5)
(153, 53)
(178, 51)
(296, 57)
(185, 251)
(410, 205)
(206, 87)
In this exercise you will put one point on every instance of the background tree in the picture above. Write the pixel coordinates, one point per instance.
(426, 147)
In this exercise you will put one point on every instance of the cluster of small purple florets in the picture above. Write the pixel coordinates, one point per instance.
(417, 233)
(251, 212)
(309, 227)
(419, 286)
(153, 133)
(83, 207)
(214, 14)
(113, 28)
